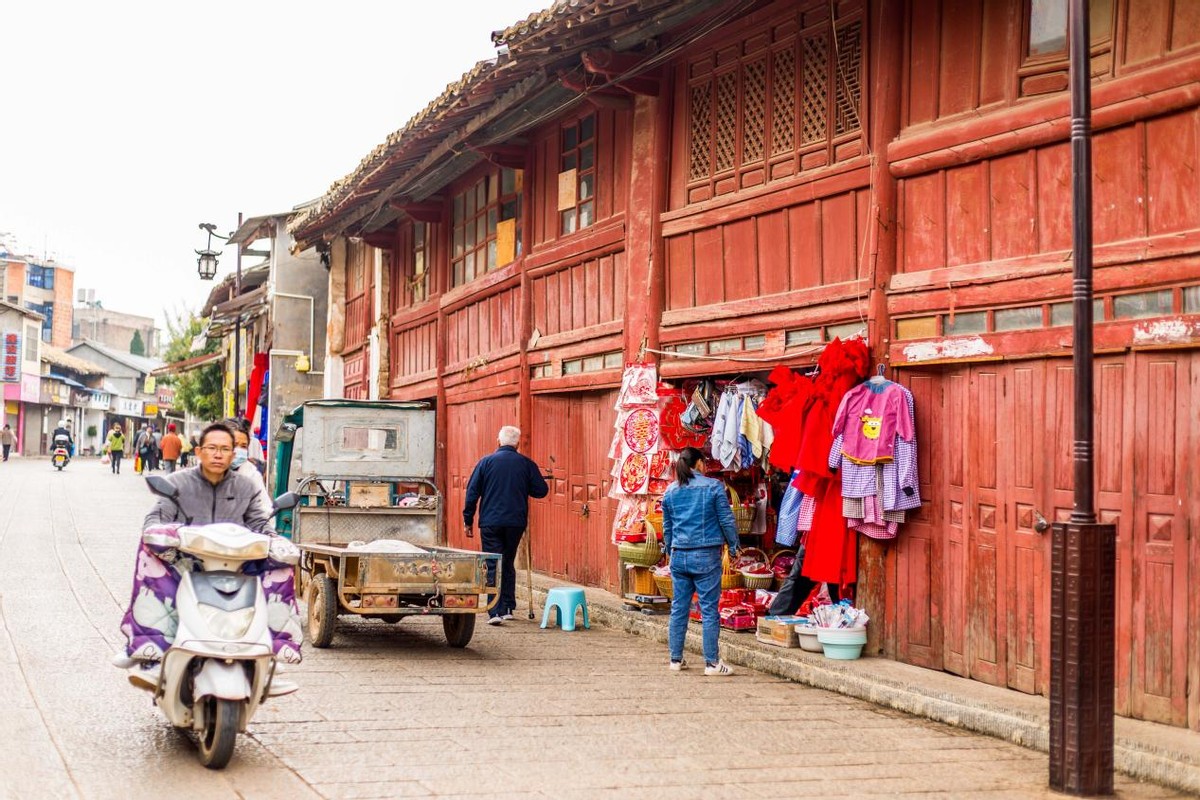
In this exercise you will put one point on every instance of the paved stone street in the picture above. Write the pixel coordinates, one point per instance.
(390, 711)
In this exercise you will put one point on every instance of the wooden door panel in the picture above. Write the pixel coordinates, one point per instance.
(550, 447)
(1027, 549)
(985, 536)
(955, 656)
(1159, 539)
(1114, 464)
(918, 551)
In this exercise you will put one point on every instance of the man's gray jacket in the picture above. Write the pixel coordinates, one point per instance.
(235, 499)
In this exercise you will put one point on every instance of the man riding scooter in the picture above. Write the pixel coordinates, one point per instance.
(64, 431)
(207, 493)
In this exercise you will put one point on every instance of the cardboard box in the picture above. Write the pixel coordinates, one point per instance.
(776, 633)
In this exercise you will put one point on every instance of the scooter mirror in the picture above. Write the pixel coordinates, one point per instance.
(286, 500)
(162, 487)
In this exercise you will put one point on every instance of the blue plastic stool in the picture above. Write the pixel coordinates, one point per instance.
(566, 602)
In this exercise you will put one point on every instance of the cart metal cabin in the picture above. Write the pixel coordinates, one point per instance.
(370, 519)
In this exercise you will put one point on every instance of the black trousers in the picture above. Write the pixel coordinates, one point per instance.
(7, 447)
(504, 541)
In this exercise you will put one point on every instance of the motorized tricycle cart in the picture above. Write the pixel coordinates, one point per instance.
(369, 521)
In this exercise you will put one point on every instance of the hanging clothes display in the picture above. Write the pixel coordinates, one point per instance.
(875, 450)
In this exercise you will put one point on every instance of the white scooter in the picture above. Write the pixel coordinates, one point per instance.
(60, 452)
(221, 664)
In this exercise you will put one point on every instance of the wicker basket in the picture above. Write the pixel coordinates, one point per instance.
(666, 586)
(774, 558)
(643, 554)
(730, 577)
(641, 580)
(743, 516)
(757, 581)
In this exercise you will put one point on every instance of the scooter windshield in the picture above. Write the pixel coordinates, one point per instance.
(223, 540)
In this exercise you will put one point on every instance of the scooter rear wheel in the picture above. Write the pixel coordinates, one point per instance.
(220, 731)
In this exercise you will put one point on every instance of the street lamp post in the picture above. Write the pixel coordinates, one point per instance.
(1083, 553)
(207, 267)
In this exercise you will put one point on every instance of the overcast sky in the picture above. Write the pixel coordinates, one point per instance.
(127, 124)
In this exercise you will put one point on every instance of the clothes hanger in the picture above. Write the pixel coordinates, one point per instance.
(878, 379)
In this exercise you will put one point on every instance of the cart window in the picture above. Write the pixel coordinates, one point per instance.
(376, 440)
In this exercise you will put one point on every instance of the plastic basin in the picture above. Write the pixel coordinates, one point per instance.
(808, 639)
(843, 644)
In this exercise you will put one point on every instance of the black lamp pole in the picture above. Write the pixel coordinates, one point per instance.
(237, 332)
(207, 264)
(1083, 566)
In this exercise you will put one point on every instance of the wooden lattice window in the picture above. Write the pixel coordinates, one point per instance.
(773, 103)
(577, 175)
(487, 228)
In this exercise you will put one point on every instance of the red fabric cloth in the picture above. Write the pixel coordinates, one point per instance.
(831, 555)
(783, 408)
(254, 387)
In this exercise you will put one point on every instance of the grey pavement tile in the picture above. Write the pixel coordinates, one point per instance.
(372, 789)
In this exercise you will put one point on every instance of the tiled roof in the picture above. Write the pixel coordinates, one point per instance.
(61, 358)
(532, 53)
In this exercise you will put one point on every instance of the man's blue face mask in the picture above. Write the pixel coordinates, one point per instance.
(240, 454)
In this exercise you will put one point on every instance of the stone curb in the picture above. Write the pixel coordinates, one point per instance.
(1174, 767)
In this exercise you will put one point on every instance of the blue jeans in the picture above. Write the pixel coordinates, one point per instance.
(696, 571)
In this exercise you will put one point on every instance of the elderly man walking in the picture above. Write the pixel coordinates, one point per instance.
(501, 486)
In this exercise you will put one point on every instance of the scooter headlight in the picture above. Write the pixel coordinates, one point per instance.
(227, 624)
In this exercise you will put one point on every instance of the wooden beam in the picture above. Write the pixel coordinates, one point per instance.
(511, 156)
(384, 238)
(607, 101)
(609, 65)
(429, 210)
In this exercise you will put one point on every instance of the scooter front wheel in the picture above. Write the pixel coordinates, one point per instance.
(220, 731)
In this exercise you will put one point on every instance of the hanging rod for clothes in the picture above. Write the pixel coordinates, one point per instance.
(772, 360)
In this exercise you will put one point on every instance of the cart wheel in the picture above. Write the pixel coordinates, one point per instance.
(322, 610)
(459, 629)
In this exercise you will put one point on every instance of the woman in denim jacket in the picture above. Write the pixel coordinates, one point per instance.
(697, 523)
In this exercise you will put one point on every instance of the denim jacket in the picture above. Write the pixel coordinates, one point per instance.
(698, 515)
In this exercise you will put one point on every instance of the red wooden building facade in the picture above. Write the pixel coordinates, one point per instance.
(749, 180)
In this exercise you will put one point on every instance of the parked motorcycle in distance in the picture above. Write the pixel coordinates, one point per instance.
(221, 665)
(60, 453)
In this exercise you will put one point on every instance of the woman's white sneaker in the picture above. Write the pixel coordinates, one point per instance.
(678, 666)
(719, 669)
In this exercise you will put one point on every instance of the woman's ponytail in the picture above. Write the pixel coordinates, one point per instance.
(685, 465)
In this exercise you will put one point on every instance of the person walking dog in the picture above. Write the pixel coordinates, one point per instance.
(501, 486)
(697, 524)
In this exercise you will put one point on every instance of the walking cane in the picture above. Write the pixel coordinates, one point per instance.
(529, 569)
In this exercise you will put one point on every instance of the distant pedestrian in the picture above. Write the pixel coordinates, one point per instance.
(501, 486)
(141, 450)
(8, 440)
(114, 445)
(185, 452)
(172, 448)
(697, 523)
(155, 447)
